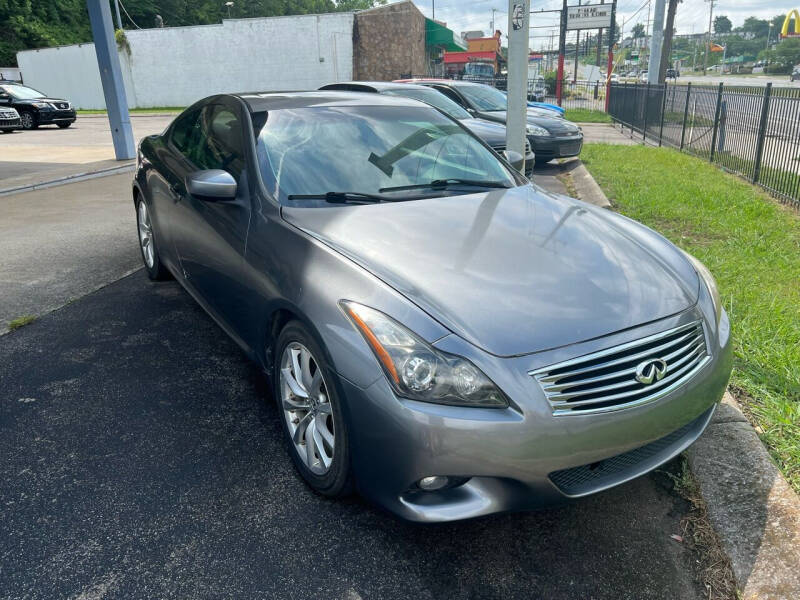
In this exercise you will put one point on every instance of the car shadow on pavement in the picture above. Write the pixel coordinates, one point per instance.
(143, 457)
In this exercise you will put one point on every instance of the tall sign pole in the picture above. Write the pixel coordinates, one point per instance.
(708, 41)
(516, 117)
(562, 48)
(610, 66)
(654, 61)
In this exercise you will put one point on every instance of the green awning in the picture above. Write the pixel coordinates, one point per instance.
(439, 35)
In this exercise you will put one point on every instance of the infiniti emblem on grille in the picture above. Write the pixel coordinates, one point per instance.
(650, 371)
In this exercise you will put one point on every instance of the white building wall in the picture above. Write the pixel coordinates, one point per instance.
(176, 66)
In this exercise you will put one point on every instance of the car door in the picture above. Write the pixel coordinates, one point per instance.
(210, 235)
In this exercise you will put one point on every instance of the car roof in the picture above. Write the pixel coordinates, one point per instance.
(374, 86)
(448, 82)
(265, 101)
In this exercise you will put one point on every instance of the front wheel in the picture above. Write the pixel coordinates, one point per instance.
(64, 125)
(28, 120)
(311, 412)
(147, 243)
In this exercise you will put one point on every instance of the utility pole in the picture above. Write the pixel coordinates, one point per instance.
(654, 61)
(668, 30)
(518, 51)
(116, 9)
(562, 48)
(610, 66)
(433, 10)
(708, 41)
(494, 10)
(600, 43)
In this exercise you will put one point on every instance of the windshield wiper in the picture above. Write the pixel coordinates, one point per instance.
(340, 197)
(444, 183)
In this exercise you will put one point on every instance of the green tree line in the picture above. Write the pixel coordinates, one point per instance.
(40, 23)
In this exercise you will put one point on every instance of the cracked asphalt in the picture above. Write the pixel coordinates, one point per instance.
(141, 457)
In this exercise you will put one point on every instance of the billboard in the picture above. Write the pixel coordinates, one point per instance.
(590, 16)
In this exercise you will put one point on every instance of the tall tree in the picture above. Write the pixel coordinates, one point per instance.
(722, 24)
(638, 31)
(756, 27)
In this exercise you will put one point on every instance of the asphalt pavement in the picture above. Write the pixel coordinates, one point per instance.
(143, 458)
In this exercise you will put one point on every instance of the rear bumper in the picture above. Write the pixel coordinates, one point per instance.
(556, 147)
(522, 457)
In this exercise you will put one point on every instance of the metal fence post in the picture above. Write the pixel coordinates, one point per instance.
(663, 109)
(646, 103)
(685, 113)
(716, 123)
(762, 132)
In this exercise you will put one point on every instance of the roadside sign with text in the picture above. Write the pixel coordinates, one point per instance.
(590, 16)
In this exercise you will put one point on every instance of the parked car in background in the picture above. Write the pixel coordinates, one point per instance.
(550, 136)
(494, 134)
(9, 119)
(614, 78)
(36, 108)
(643, 76)
(795, 76)
(673, 73)
(439, 333)
(537, 89)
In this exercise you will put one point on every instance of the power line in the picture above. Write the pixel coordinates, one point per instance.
(127, 15)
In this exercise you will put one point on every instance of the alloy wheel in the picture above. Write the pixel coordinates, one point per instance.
(146, 235)
(307, 408)
(27, 120)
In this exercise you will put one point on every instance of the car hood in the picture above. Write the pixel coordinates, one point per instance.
(553, 123)
(512, 271)
(32, 100)
(492, 133)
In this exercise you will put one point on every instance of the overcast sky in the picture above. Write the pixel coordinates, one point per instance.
(692, 16)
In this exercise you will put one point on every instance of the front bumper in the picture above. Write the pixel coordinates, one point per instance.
(15, 123)
(548, 148)
(47, 117)
(522, 457)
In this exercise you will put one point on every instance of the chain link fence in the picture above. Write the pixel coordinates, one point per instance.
(749, 130)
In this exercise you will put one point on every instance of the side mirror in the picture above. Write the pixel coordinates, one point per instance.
(515, 159)
(214, 184)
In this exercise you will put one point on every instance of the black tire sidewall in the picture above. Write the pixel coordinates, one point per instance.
(337, 481)
(63, 125)
(34, 124)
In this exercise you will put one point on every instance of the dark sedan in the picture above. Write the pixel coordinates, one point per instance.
(550, 136)
(440, 334)
(491, 132)
(36, 108)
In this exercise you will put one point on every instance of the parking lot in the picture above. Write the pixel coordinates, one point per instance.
(144, 456)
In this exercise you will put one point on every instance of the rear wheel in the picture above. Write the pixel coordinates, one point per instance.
(147, 243)
(64, 125)
(311, 412)
(28, 120)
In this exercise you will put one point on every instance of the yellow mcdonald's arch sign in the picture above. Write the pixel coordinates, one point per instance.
(792, 14)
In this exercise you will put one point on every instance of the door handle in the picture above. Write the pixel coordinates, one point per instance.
(175, 192)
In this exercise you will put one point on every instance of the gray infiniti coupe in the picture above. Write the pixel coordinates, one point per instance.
(441, 335)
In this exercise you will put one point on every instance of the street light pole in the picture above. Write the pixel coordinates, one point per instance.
(654, 61)
(518, 50)
(708, 41)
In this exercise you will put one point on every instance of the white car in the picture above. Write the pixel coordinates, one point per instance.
(643, 77)
(9, 119)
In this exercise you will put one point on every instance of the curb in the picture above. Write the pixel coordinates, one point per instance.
(753, 509)
(585, 186)
(68, 179)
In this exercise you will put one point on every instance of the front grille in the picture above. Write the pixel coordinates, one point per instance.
(607, 380)
(8, 114)
(571, 148)
(501, 147)
(585, 479)
(62, 105)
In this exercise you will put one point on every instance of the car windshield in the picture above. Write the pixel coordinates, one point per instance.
(433, 98)
(484, 97)
(370, 150)
(22, 92)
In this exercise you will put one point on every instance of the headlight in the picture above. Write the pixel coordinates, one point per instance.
(710, 282)
(418, 371)
(536, 130)
(41, 105)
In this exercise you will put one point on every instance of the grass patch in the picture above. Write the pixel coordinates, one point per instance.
(21, 322)
(140, 111)
(752, 245)
(587, 115)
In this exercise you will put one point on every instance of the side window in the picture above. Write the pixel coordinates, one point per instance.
(451, 94)
(212, 139)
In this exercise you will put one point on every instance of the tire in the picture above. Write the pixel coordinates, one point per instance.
(314, 416)
(64, 125)
(147, 243)
(28, 120)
